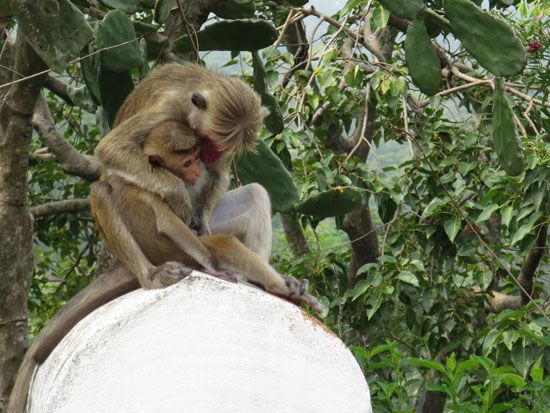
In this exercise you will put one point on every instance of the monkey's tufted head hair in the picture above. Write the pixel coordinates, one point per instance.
(236, 115)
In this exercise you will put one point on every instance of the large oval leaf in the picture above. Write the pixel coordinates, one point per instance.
(274, 121)
(265, 168)
(117, 29)
(90, 72)
(127, 6)
(422, 59)
(406, 9)
(114, 87)
(504, 132)
(491, 41)
(331, 203)
(56, 30)
(235, 9)
(246, 34)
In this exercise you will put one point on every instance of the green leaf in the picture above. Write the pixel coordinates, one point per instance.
(127, 6)
(451, 362)
(489, 341)
(373, 304)
(507, 215)
(429, 364)
(522, 358)
(511, 379)
(504, 132)
(521, 233)
(274, 121)
(465, 366)
(486, 213)
(56, 30)
(433, 207)
(360, 288)
(234, 9)
(405, 9)
(246, 34)
(380, 18)
(408, 277)
(509, 337)
(421, 58)
(114, 87)
(452, 227)
(162, 9)
(490, 40)
(537, 372)
(332, 202)
(265, 168)
(366, 267)
(90, 72)
(117, 29)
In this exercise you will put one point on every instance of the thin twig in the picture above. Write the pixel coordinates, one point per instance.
(71, 62)
(363, 126)
(192, 37)
(406, 124)
(284, 29)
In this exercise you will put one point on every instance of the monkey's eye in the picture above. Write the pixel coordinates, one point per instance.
(198, 100)
(187, 164)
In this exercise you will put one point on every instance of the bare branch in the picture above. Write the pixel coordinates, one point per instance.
(532, 262)
(354, 36)
(60, 207)
(73, 162)
(59, 88)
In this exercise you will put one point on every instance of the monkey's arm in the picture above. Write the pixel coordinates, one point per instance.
(121, 150)
(119, 239)
(170, 225)
(216, 185)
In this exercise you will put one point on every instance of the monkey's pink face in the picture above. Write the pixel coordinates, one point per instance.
(185, 165)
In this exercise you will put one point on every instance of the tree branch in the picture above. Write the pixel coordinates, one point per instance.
(497, 302)
(73, 162)
(60, 207)
(58, 88)
(532, 262)
(354, 36)
(295, 234)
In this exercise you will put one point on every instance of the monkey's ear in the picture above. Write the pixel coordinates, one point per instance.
(265, 112)
(198, 100)
(155, 160)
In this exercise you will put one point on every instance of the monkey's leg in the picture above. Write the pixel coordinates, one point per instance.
(246, 213)
(105, 288)
(230, 254)
(121, 242)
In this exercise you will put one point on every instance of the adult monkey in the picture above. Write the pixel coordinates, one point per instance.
(226, 114)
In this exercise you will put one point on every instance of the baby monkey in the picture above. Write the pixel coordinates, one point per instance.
(163, 237)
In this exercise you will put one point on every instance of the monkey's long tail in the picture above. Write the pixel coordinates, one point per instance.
(103, 289)
(18, 397)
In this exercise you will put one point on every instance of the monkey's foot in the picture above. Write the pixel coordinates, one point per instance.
(167, 274)
(229, 276)
(295, 291)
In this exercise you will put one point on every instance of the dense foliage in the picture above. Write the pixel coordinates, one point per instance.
(454, 198)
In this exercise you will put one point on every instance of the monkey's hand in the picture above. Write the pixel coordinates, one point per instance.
(167, 274)
(296, 291)
(200, 225)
